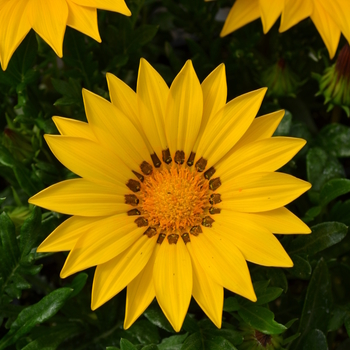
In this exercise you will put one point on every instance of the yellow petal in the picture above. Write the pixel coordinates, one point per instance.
(49, 18)
(140, 292)
(229, 125)
(295, 11)
(115, 131)
(256, 243)
(172, 276)
(81, 197)
(261, 156)
(242, 12)
(270, 10)
(223, 262)
(89, 160)
(184, 111)
(327, 28)
(65, 236)
(113, 276)
(261, 191)
(208, 293)
(73, 127)
(279, 220)
(261, 128)
(102, 242)
(214, 89)
(83, 19)
(109, 5)
(152, 92)
(125, 99)
(15, 26)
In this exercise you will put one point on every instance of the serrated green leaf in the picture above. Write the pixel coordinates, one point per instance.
(261, 319)
(333, 189)
(126, 345)
(35, 314)
(201, 341)
(173, 343)
(30, 232)
(323, 236)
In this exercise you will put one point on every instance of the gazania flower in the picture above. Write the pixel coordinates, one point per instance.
(177, 191)
(49, 19)
(329, 16)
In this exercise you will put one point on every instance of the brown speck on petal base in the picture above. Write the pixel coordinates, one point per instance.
(133, 185)
(209, 173)
(215, 198)
(213, 210)
(139, 176)
(179, 157)
(156, 161)
(134, 212)
(191, 159)
(201, 164)
(146, 168)
(161, 238)
(131, 199)
(150, 232)
(214, 184)
(166, 156)
(196, 230)
(141, 222)
(186, 237)
(173, 238)
(207, 221)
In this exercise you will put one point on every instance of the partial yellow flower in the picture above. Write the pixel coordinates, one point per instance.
(49, 19)
(178, 189)
(329, 16)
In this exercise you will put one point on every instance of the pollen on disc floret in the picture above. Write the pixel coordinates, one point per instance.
(174, 198)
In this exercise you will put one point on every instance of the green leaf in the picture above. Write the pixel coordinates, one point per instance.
(77, 284)
(141, 36)
(301, 269)
(264, 293)
(201, 341)
(30, 232)
(155, 315)
(315, 340)
(323, 236)
(231, 304)
(173, 343)
(261, 319)
(316, 309)
(34, 314)
(145, 332)
(126, 345)
(333, 189)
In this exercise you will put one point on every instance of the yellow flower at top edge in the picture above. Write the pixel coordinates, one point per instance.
(177, 190)
(331, 17)
(49, 19)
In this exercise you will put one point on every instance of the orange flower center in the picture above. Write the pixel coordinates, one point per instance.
(174, 198)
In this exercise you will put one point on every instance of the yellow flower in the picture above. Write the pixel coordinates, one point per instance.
(177, 191)
(49, 19)
(329, 16)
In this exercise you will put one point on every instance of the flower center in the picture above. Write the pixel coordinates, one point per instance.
(174, 198)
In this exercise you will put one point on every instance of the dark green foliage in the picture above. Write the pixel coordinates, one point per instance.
(305, 307)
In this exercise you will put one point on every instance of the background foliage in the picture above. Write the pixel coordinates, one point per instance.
(305, 307)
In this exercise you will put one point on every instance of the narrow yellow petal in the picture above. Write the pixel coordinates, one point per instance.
(73, 127)
(113, 276)
(261, 191)
(49, 18)
(208, 293)
(256, 243)
(81, 197)
(223, 262)
(115, 131)
(229, 125)
(172, 275)
(261, 156)
(102, 242)
(89, 160)
(140, 292)
(83, 19)
(109, 5)
(242, 12)
(270, 11)
(328, 29)
(279, 220)
(214, 89)
(125, 99)
(15, 26)
(152, 92)
(184, 111)
(65, 236)
(295, 11)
